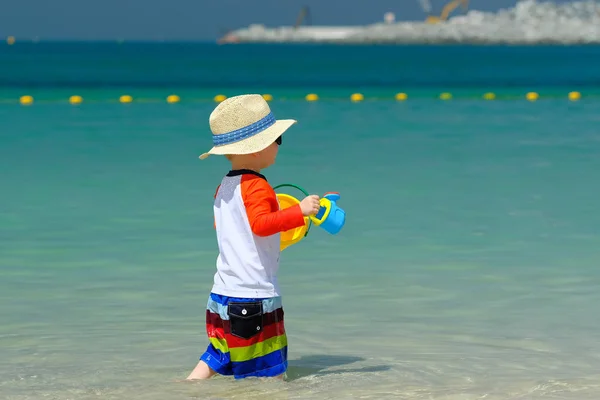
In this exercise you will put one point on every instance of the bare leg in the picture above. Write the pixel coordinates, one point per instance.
(202, 371)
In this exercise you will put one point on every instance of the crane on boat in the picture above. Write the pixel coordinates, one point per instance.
(303, 15)
(447, 10)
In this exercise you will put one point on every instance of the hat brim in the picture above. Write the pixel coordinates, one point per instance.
(254, 143)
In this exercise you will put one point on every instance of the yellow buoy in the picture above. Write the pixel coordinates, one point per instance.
(311, 97)
(125, 99)
(489, 96)
(357, 97)
(173, 98)
(75, 99)
(532, 96)
(401, 96)
(10, 40)
(267, 97)
(219, 98)
(26, 100)
(445, 96)
(574, 96)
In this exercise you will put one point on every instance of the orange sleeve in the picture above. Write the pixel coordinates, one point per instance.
(263, 209)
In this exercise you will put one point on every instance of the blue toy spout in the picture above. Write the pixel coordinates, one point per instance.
(337, 216)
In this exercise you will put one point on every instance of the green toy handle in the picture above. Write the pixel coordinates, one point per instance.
(303, 191)
(291, 185)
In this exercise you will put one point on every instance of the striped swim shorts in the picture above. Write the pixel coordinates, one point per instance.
(247, 337)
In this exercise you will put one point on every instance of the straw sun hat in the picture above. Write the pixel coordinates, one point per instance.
(244, 125)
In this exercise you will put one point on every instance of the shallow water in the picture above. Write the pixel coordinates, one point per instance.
(466, 270)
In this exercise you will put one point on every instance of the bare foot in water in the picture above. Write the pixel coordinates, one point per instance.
(202, 371)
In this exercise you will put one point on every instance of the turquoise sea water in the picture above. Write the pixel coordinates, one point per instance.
(467, 269)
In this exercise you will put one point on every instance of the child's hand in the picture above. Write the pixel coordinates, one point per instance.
(310, 205)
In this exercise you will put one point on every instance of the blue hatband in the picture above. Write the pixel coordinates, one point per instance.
(245, 132)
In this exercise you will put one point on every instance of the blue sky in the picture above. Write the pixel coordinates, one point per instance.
(192, 19)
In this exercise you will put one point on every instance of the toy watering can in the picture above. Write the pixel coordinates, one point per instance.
(330, 216)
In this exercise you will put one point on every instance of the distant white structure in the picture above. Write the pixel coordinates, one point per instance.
(299, 34)
(528, 22)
